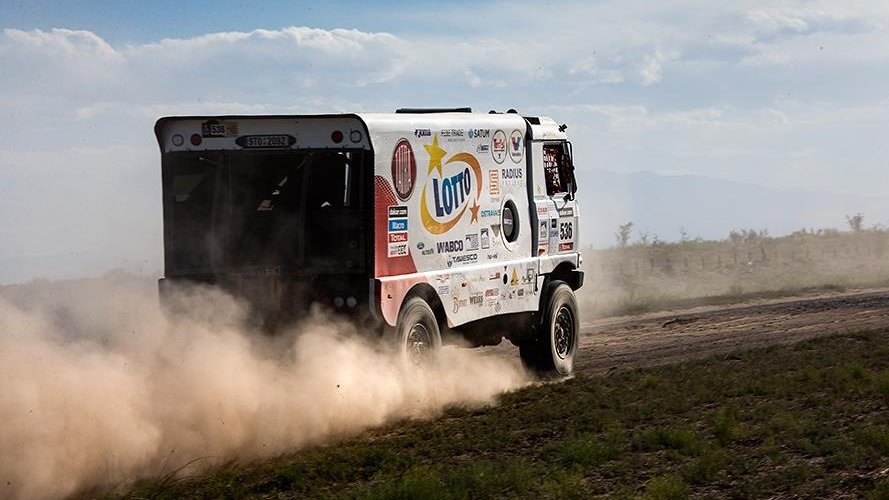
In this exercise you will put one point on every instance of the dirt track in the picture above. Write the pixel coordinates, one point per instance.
(671, 336)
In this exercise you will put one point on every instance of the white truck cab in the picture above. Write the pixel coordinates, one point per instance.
(430, 224)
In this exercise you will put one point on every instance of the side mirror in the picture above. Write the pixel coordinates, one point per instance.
(572, 188)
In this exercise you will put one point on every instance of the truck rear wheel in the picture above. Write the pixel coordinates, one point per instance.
(417, 334)
(550, 350)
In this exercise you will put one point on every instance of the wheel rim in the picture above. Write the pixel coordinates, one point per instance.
(418, 343)
(563, 332)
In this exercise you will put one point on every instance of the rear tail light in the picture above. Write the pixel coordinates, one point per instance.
(336, 136)
(196, 139)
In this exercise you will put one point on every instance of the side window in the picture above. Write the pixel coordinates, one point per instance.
(553, 160)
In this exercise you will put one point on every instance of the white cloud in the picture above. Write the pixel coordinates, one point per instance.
(773, 22)
(591, 71)
(60, 42)
(651, 69)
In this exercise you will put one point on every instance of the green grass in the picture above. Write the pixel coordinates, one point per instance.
(802, 420)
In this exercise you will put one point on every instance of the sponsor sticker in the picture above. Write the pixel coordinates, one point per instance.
(494, 182)
(529, 276)
(476, 299)
(459, 303)
(512, 174)
(485, 237)
(478, 133)
(399, 250)
(425, 251)
(452, 189)
(471, 241)
(544, 231)
(516, 146)
(453, 135)
(397, 211)
(490, 213)
(514, 280)
(422, 132)
(397, 225)
(566, 247)
(466, 259)
(566, 212)
(399, 244)
(404, 169)
(449, 246)
(498, 146)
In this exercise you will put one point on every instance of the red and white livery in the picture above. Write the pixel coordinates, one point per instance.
(432, 223)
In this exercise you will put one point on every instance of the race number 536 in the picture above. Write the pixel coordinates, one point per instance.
(566, 230)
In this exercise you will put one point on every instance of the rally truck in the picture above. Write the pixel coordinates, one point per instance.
(427, 225)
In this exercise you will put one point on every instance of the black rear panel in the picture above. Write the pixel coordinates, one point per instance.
(279, 229)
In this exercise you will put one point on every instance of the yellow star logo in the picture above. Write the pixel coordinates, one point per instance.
(435, 155)
(474, 210)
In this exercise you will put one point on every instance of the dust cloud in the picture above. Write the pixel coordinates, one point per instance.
(651, 275)
(100, 388)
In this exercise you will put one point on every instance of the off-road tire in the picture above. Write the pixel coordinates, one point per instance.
(550, 350)
(417, 335)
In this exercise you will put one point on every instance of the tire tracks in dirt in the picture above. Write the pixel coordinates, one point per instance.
(677, 335)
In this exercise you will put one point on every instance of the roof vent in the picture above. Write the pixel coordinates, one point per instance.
(433, 110)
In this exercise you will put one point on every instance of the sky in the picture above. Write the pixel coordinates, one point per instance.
(788, 95)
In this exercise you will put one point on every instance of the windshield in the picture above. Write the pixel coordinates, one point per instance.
(271, 210)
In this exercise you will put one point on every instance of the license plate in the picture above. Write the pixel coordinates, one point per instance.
(265, 141)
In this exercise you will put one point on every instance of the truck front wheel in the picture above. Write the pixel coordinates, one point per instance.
(550, 350)
(417, 334)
